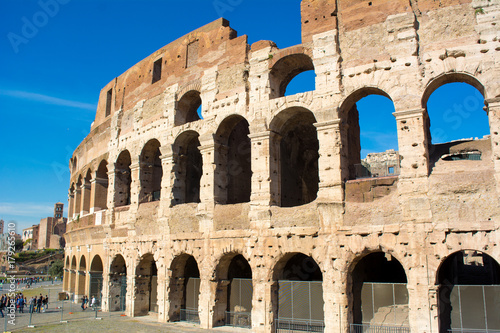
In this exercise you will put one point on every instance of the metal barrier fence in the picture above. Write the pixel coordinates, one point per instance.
(472, 331)
(55, 312)
(297, 325)
(190, 315)
(367, 328)
(239, 319)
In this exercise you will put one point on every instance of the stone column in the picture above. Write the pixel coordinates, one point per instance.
(265, 169)
(131, 295)
(493, 109)
(206, 302)
(421, 299)
(135, 186)
(105, 290)
(167, 180)
(111, 187)
(71, 204)
(329, 162)
(207, 150)
(414, 151)
(85, 205)
(66, 280)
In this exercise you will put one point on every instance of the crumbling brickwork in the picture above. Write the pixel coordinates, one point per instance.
(199, 173)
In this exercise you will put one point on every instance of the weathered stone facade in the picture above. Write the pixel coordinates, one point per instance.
(262, 186)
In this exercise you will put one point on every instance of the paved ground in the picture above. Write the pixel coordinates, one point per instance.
(75, 320)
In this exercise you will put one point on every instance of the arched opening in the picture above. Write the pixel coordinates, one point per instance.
(123, 179)
(78, 195)
(184, 289)
(86, 192)
(95, 272)
(369, 135)
(151, 172)
(188, 168)
(457, 123)
(101, 187)
(469, 293)
(188, 108)
(73, 275)
(234, 292)
(233, 164)
(379, 293)
(117, 284)
(298, 303)
(82, 274)
(296, 150)
(146, 286)
(287, 69)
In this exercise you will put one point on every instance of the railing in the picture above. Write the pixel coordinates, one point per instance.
(367, 328)
(299, 325)
(470, 330)
(239, 319)
(190, 315)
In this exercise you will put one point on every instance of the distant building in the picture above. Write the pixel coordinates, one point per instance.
(1, 226)
(47, 234)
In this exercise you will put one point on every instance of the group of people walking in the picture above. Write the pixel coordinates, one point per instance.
(85, 302)
(17, 304)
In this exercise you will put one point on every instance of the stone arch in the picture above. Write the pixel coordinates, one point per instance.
(297, 292)
(146, 286)
(188, 165)
(444, 78)
(285, 69)
(151, 172)
(184, 288)
(468, 288)
(96, 278)
(101, 186)
(350, 131)
(233, 170)
(295, 148)
(123, 179)
(455, 118)
(379, 278)
(233, 299)
(117, 284)
(187, 107)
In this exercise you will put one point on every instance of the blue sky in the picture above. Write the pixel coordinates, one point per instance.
(58, 54)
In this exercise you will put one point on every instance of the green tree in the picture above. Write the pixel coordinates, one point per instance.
(57, 268)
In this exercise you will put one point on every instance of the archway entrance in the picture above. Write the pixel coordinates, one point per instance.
(379, 295)
(469, 293)
(300, 295)
(117, 284)
(184, 289)
(95, 288)
(234, 292)
(146, 286)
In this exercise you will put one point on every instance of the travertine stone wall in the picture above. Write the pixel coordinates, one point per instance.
(403, 50)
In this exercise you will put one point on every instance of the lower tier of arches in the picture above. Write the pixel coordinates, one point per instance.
(404, 281)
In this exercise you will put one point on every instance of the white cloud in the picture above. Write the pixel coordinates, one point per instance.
(47, 99)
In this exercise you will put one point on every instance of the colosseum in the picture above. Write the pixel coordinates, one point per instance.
(205, 193)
